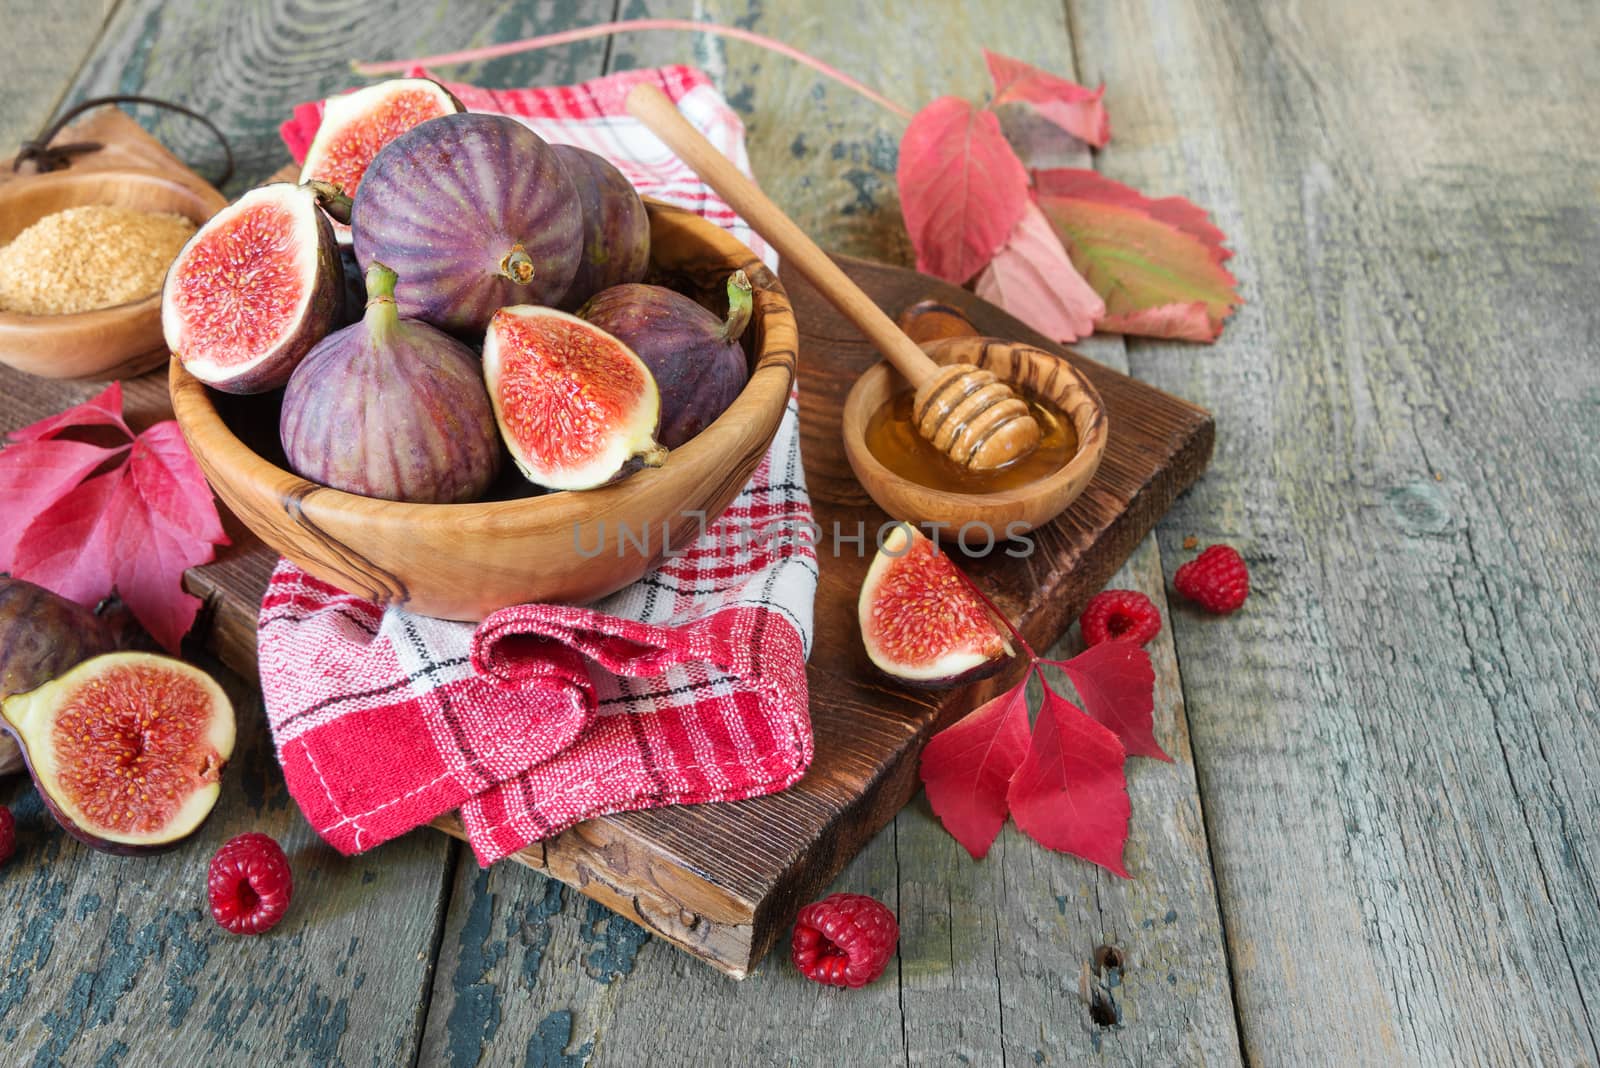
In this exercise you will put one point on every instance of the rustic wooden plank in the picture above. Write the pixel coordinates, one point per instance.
(1397, 736)
(117, 960)
(42, 46)
(991, 953)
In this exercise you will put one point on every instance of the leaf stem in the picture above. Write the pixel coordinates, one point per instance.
(606, 29)
(1033, 657)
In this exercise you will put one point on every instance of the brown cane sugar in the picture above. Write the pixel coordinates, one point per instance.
(95, 256)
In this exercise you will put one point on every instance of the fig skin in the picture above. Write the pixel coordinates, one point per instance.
(475, 213)
(323, 311)
(30, 718)
(616, 229)
(697, 360)
(42, 635)
(907, 559)
(391, 408)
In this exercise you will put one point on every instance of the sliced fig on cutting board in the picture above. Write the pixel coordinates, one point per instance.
(921, 623)
(127, 749)
(576, 407)
(254, 290)
(474, 213)
(355, 127)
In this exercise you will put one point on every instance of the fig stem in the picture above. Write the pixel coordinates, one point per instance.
(518, 265)
(741, 302)
(331, 198)
(382, 313)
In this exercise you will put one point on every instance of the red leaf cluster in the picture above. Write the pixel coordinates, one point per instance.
(1063, 782)
(996, 190)
(87, 520)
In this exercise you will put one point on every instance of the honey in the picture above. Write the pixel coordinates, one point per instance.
(893, 440)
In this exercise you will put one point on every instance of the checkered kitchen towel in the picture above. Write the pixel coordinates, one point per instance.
(687, 686)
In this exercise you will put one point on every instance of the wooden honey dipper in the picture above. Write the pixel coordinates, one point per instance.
(966, 412)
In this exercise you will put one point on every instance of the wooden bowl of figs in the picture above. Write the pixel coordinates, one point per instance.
(466, 409)
(463, 561)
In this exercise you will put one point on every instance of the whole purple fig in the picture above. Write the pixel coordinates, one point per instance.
(42, 634)
(697, 360)
(616, 230)
(391, 408)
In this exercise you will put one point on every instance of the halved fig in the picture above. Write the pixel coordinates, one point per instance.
(127, 749)
(575, 406)
(920, 622)
(42, 634)
(355, 126)
(253, 290)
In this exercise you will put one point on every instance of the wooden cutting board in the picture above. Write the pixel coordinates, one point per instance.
(723, 881)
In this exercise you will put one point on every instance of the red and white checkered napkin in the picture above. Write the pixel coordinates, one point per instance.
(687, 686)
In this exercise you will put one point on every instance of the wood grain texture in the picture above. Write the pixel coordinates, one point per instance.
(42, 46)
(1396, 738)
(828, 158)
(116, 960)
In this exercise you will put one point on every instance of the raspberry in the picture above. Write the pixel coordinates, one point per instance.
(1216, 579)
(250, 884)
(8, 835)
(844, 940)
(1120, 616)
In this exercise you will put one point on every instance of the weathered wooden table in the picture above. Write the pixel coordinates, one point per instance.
(1378, 843)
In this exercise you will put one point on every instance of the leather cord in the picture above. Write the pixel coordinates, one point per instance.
(49, 157)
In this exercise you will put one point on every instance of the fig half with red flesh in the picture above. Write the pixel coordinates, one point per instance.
(42, 634)
(127, 749)
(920, 621)
(355, 127)
(576, 408)
(254, 290)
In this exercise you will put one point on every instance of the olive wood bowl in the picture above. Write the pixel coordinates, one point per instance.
(116, 342)
(1005, 512)
(464, 561)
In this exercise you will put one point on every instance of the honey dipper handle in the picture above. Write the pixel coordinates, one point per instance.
(653, 108)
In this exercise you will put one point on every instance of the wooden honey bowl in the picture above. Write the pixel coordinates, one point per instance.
(115, 342)
(464, 561)
(1007, 512)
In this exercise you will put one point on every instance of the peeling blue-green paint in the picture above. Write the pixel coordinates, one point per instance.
(547, 1046)
(533, 927)
(475, 1014)
(189, 953)
(113, 1054)
(616, 943)
(319, 1028)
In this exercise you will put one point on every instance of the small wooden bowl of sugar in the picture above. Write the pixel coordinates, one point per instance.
(82, 259)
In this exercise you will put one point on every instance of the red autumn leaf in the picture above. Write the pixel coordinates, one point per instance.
(967, 767)
(1031, 103)
(1070, 794)
(1117, 685)
(1032, 278)
(1157, 263)
(962, 188)
(102, 410)
(36, 474)
(133, 529)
